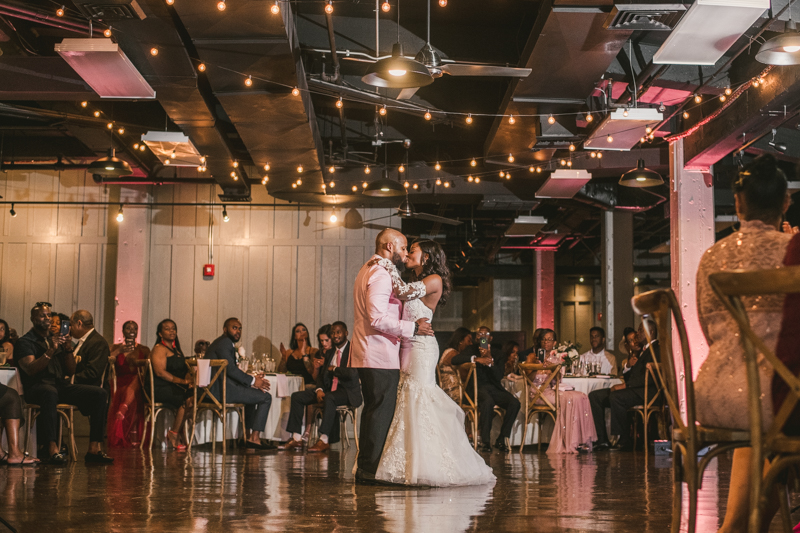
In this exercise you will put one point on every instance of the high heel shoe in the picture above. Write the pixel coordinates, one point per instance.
(174, 440)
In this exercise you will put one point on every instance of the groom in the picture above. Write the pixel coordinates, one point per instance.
(375, 348)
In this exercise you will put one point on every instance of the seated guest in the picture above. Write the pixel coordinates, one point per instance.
(46, 364)
(490, 364)
(172, 381)
(511, 349)
(622, 397)
(599, 354)
(337, 385)
(11, 414)
(6, 347)
(297, 359)
(574, 431)
(91, 347)
(524, 354)
(125, 415)
(627, 349)
(761, 200)
(461, 338)
(252, 391)
(200, 348)
(544, 341)
(324, 343)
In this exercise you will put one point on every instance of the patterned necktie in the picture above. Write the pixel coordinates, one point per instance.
(335, 379)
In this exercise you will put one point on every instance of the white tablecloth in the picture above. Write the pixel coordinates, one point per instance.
(276, 422)
(517, 388)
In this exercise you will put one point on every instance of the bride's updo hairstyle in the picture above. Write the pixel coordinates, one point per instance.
(434, 262)
(762, 186)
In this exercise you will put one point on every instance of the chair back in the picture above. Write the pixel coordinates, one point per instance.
(730, 287)
(659, 305)
(207, 395)
(535, 392)
(464, 372)
(654, 375)
(144, 370)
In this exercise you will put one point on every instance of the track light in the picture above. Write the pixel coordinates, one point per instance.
(120, 216)
(275, 9)
(249, 81)
(221, 5)
(295, 92)
(382, 110)
(385, 7)
(201, 67)
(551, 119)
(473, 163)
(511, 119)
(329, 7)
(12, 212)
(225, 216)
(437, 166)
(427, 115)
(468, 120)
(339, 103)
(60, 11)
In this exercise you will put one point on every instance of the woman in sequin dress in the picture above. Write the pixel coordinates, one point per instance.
(721, 384)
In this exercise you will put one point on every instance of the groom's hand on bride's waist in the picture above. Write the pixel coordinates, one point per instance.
(424, 328)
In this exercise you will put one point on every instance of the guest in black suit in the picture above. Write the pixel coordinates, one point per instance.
(336, 385)
(622, 397)
(92, 349)
(489, 368)
(252, 391)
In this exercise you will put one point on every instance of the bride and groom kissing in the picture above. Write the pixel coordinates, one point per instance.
(412, 432)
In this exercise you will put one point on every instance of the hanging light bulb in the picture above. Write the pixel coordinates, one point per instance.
(107, 32)
(755, 82)
(249, 81)
(221, 5)
(473, 163)
(442, 3)
(592, 154)
(367, 170)
(233, 175)
(382, 110)
(531, 169)
(300, 168)
(401, 168)
(551, 119)
(438, 181)
(468, 120)
(110, 125)
(266, 167)
(339, 103)
(329, 7)
(563, 162)
(685, 114)
(121, 130)
(275, 9)
(538, 170)
(60, 11)
(334, 218)
(642, 140)
(173, 155)
(502, 174)
(511, 119)
(569, 163)
(264, 180)
(332, 184)
(477, 179)
(599, 155)
(510, 158)
(446, 184)
(235, 164)
(354, 188)
(415, 186)
(364, 185)
(225, 216)
(728, 91)
(120, 216)
(201, 67)
(427, 115)
(470, 178)
(571, 147)
(141, 147)
(295, 92)
(722, 98)
(97, 113)
(154, 51)
(648, 129)
(331, 169)
(324, 186)
(12, 212)
(508, 176)
(698, 99)
(135, 146)
(294, 185)
(610, 139)
(651, 136)
(589, 117)
(406, 185)
(203, 159)
(299, 181)
(437, 166)
(625, 112)
(385, 7)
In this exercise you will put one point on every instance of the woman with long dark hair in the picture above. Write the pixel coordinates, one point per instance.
(426, 444)
(448, 379)
(173, 382)
(6, 346)
(298, 358)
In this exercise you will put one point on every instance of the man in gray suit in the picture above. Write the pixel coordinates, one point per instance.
(241, 387)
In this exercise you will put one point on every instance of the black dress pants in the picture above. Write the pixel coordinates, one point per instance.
(90, 400)
(488, 397)
(303, 398)
(379, 387)
(619, 401)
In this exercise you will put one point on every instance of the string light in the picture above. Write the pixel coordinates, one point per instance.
(294, 185)
(275, 9)
(121, 131)
(698, 99)
(427, 115)
(354, 188)
(120, 216)
(551, 119)
(401, 168)
(563, 162)
(538, 170)
(110, 125)
(60, 11)
(728, 91)
(167, 161)
(264, 180)
(442, 3)
(415, 186)
(154, 51)
(299, 181)
(249, 81)
(331, 169)
(97, 113)
(300, 169)
(722, 98)
(502, 174)
(755, 82)
(571, 147)
(446, 183)
(437, 166)
(592, 154)
(203, 159)
(295, 92)
(329, 7)
(385, 7)
(141, 147)
(367, 170)
(511, 119)
(339, 103)
(225, 216)
(233, 175)
(382, 110)
(648, 129)
(135, 146)
(468, 120)
(510, 158)
(477, 179)
(221, 5)
(266, 167)
(625, 112)
(201, 67)
(473, 163)
(610, 139)
(438, 181)
(470, 178)
(324, 186)
(589, 117)
(84, 103)
(331, 184)
(173, 155)
(170, 2)
(531, 169)
(107, 32)
(599, 155)
(406, 185)
(685, 114)
(508, 176)
(235, 164)
(364, 185)
(569, 163)
(642, 140)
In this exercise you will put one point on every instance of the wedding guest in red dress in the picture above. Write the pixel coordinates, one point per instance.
(126, 415)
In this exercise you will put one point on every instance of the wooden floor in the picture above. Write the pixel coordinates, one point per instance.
(280, 491)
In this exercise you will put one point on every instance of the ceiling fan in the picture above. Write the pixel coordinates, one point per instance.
(406, 210)
(392, 71)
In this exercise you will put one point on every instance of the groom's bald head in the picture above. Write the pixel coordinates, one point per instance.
(391, 244)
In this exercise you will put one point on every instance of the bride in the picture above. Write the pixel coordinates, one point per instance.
(426, 444)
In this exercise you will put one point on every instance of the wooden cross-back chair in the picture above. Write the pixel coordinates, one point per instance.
(206, 401)
(652, 406)
(469, 404)
(144, 369)
(688, 438)
(530, 405)
(783, 451)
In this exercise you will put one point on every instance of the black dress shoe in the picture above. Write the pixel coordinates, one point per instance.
(485, 448)
(501, 445)
(264, 446)
(98, 458)
(601, 447)
(57, 459)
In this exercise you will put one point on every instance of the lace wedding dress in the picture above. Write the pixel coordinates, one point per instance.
(427, 444)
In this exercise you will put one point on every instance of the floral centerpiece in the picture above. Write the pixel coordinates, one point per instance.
(568, 352)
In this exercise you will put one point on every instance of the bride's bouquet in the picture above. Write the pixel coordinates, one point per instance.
(568, 352)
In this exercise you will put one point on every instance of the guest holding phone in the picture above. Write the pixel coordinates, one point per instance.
(126, 414)
(298, 358)
(173, 382)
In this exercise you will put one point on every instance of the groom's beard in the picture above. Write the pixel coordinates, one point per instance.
(398, 262)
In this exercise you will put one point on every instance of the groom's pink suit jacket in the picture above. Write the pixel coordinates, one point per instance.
(377, 327)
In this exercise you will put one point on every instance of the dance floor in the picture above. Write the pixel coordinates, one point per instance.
(280, 491)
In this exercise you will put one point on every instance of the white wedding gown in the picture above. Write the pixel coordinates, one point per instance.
(427, 444)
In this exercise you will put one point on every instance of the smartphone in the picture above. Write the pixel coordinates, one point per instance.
(64, 328)
(483, 343)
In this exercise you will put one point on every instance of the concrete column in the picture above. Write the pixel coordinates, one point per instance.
(691, 203)
(617, 275)
(544, 281)
(132, 265)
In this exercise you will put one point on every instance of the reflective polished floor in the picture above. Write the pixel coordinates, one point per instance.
(280, 491)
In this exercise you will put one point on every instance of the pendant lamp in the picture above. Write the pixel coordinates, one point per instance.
(384, 187)
(110, 166)
(641, 177)
(783, 49)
